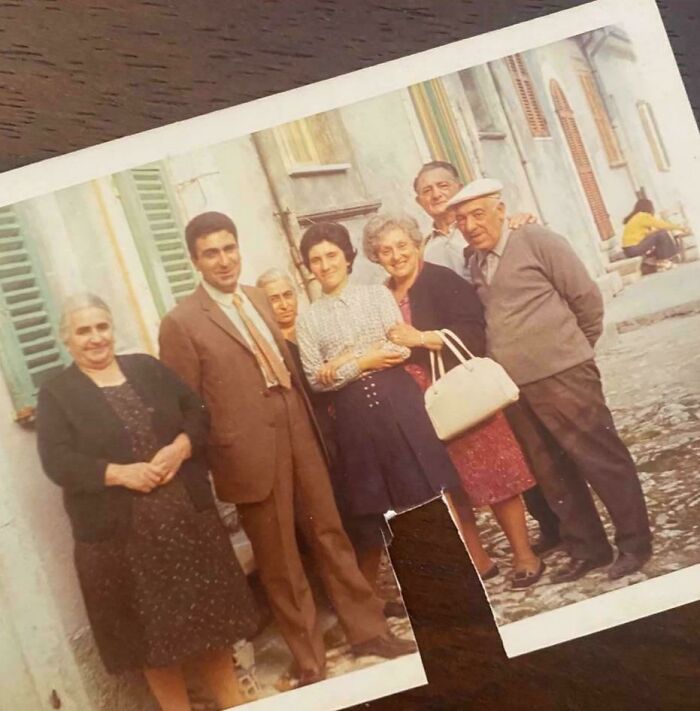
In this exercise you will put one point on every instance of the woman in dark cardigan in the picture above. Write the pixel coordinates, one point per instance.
(487, 457)
(123, 437)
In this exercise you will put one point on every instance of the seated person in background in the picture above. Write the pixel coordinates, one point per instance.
(368, 534)
(647, 235)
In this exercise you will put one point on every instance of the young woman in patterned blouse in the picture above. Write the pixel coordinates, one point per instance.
(392, 458)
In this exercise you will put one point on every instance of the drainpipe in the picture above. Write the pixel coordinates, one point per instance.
(518, 147)
(287, 216)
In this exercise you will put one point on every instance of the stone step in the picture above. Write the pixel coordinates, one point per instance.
(692, 254)
(626, 265)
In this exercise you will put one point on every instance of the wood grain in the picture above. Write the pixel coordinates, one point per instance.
(78, 72)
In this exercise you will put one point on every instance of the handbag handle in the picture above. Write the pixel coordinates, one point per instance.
(447, 336)
(440, 364)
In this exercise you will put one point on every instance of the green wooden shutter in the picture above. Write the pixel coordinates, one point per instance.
(152, 213)
(30, 350)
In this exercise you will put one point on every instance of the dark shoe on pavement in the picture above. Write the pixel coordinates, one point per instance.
(492, 572)
(576, 568)
(394, 608)
(626, 564)
(310, 676)
(545, 545)
(334, 636)
(525, 578)
(388, 647)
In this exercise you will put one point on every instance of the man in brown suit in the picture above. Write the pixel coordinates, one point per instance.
(263, 450)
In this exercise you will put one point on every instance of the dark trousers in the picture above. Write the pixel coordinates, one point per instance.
(302, 495)
(568, 434)
(538, 507)
(660, 243)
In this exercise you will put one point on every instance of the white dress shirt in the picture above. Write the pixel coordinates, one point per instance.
(225, 302)
(447, 250)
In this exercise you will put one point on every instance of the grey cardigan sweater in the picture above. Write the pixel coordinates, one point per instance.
(543, 311)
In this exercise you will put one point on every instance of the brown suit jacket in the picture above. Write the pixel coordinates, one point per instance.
(199, 342)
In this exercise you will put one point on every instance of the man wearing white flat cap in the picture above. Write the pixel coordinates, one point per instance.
(544, 315)
(435, 184)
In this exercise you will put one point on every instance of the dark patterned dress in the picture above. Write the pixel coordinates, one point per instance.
(170, 587)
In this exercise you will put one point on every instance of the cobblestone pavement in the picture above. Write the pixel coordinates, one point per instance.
(271, 659)
(652, 381)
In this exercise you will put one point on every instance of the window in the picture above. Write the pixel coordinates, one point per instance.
(312, 145)
(486, 123)
(579, 154)
(651, 129)
(536, 120)
(439, 127)
(30, 349)
(153, 216)
(602, 121)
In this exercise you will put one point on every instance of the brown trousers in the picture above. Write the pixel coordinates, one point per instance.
(567, 432)
(302, 494)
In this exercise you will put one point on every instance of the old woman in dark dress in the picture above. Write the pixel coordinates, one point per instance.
(490, 463)
(122, 436)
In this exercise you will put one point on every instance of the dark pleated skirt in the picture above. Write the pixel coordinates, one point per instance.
(391, 457)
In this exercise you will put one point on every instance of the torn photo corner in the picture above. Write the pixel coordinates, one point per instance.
(531, 190)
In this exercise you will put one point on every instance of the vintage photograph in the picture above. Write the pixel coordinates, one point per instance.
(223, 370)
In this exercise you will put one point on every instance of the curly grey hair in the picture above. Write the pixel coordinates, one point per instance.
(76, 302)
(384, 221)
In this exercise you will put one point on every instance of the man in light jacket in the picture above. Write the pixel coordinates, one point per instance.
(544, 315)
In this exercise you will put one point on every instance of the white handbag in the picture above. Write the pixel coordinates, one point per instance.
(469, 393)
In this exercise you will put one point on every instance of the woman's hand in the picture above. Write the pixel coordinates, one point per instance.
(379, 359)
(169, 459)
(402, 334)
(520, 219)
(140, 476)
(328, 371)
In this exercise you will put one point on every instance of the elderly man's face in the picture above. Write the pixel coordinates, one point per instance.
(434, 188)
(283, 300)
(481, 221)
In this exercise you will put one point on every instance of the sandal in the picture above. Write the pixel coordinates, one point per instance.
(525, 578)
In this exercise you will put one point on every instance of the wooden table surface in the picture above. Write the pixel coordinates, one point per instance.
(78, 72)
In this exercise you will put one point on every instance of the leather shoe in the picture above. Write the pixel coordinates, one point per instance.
(394, 608)
(491, 573)
(310, 676)
(387, 647)
(544, 545)
(576, 568)
(626, 564)
(525, 578)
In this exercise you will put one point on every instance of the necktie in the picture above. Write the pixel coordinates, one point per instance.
(270, 363)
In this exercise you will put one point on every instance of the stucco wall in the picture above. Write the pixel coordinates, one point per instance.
(554, 179)
(627, 80)
(229, 178)
(386, 152)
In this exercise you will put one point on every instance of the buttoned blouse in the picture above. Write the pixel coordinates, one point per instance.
(353, 321)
